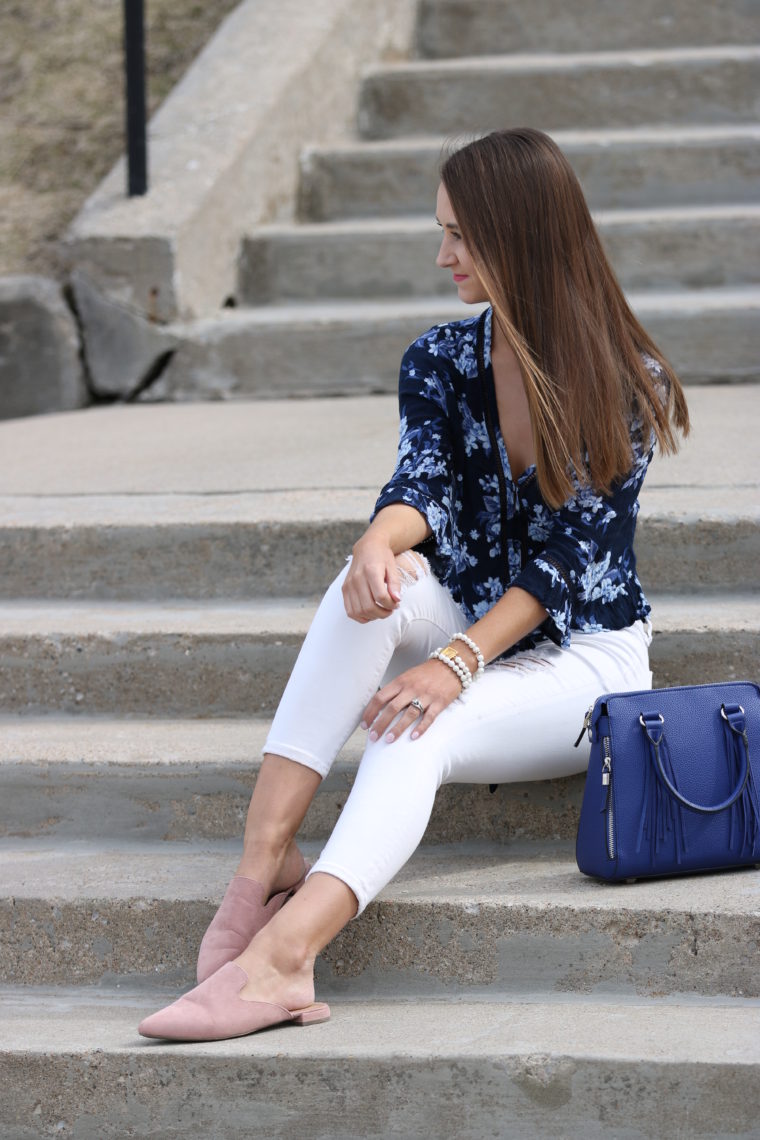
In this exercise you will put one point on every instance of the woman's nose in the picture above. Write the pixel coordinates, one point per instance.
(444, 257)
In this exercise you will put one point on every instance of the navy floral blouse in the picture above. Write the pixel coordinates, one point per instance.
(490, 531)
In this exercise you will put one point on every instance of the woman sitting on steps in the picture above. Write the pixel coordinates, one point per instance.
(493, 596)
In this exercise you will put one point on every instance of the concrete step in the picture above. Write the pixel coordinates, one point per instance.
(637, 168)
(232, 660)
(453, 1070)
(268, 497)
(344, 347)
(447, 28)
(458, 919)
(684, 542)
(667, 87)
(675, 248)
(147, 781)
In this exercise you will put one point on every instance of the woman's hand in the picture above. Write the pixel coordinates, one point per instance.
(433, 684)
(372, 587)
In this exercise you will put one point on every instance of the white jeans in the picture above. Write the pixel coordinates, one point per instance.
(518, 722)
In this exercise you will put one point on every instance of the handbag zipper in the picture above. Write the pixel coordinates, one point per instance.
(586, 726)
(609, 806)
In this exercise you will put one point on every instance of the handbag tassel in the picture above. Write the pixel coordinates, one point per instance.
(661, 816)
(745, 813)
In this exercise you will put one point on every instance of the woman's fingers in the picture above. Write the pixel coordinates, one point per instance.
(382, 711)
(358, 600)
(419, 722)
(365, 608)
(393, 582)
(427, 718)
(415, 698)
(384, 585)
(368, 592)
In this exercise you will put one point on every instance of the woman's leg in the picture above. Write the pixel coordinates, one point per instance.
(270, 983)
(518, 723)
(343, 662)
(280, 960)
(281, 797)
(340, 666)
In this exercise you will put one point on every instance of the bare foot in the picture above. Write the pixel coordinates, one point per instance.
(266, 982)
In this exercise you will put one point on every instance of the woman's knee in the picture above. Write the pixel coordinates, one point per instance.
(404, 764)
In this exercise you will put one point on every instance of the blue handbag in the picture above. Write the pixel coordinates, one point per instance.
(672, 782)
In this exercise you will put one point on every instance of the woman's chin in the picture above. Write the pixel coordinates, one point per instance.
(469, 296)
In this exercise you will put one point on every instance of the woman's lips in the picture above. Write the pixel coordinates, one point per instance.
(459, 277)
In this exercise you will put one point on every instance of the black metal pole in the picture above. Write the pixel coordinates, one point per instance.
(134, 67)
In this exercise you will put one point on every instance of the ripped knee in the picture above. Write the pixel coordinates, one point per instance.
(412, 567)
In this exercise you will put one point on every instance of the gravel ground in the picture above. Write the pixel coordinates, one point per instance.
(62, 107)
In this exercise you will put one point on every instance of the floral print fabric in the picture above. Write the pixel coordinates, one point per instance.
(491, 531)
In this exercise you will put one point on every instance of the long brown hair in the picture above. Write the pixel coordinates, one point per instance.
(524, 219)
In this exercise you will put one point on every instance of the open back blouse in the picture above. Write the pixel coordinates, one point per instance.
(491, 531)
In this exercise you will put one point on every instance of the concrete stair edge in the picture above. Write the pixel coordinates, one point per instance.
(520, 62)
(530, 1067)
(234, 660)
(186, 780)
(457, 918)
(422, 97)
(618, 168)
(353, 347)
(649, 249)
(287, 617)
(446, 28)
(152, 561)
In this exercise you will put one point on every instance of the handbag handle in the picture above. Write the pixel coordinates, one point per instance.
(654, 723)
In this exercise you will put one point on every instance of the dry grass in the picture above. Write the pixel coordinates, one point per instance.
(62, 107)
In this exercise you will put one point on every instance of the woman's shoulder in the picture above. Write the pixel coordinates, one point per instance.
(453, 344)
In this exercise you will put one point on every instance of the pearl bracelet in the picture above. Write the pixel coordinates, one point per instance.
(455, 662)
(478, 655)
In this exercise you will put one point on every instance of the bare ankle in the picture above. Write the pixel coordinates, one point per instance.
(282, 971)
(275, 867)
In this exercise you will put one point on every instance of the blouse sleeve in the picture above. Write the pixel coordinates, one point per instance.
(423, 475)
(586, 553)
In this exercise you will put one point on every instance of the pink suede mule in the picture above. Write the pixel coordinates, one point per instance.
(213, 1011)
(244, 910)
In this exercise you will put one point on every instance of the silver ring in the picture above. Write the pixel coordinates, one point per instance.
(418, 705)
(380, 604)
